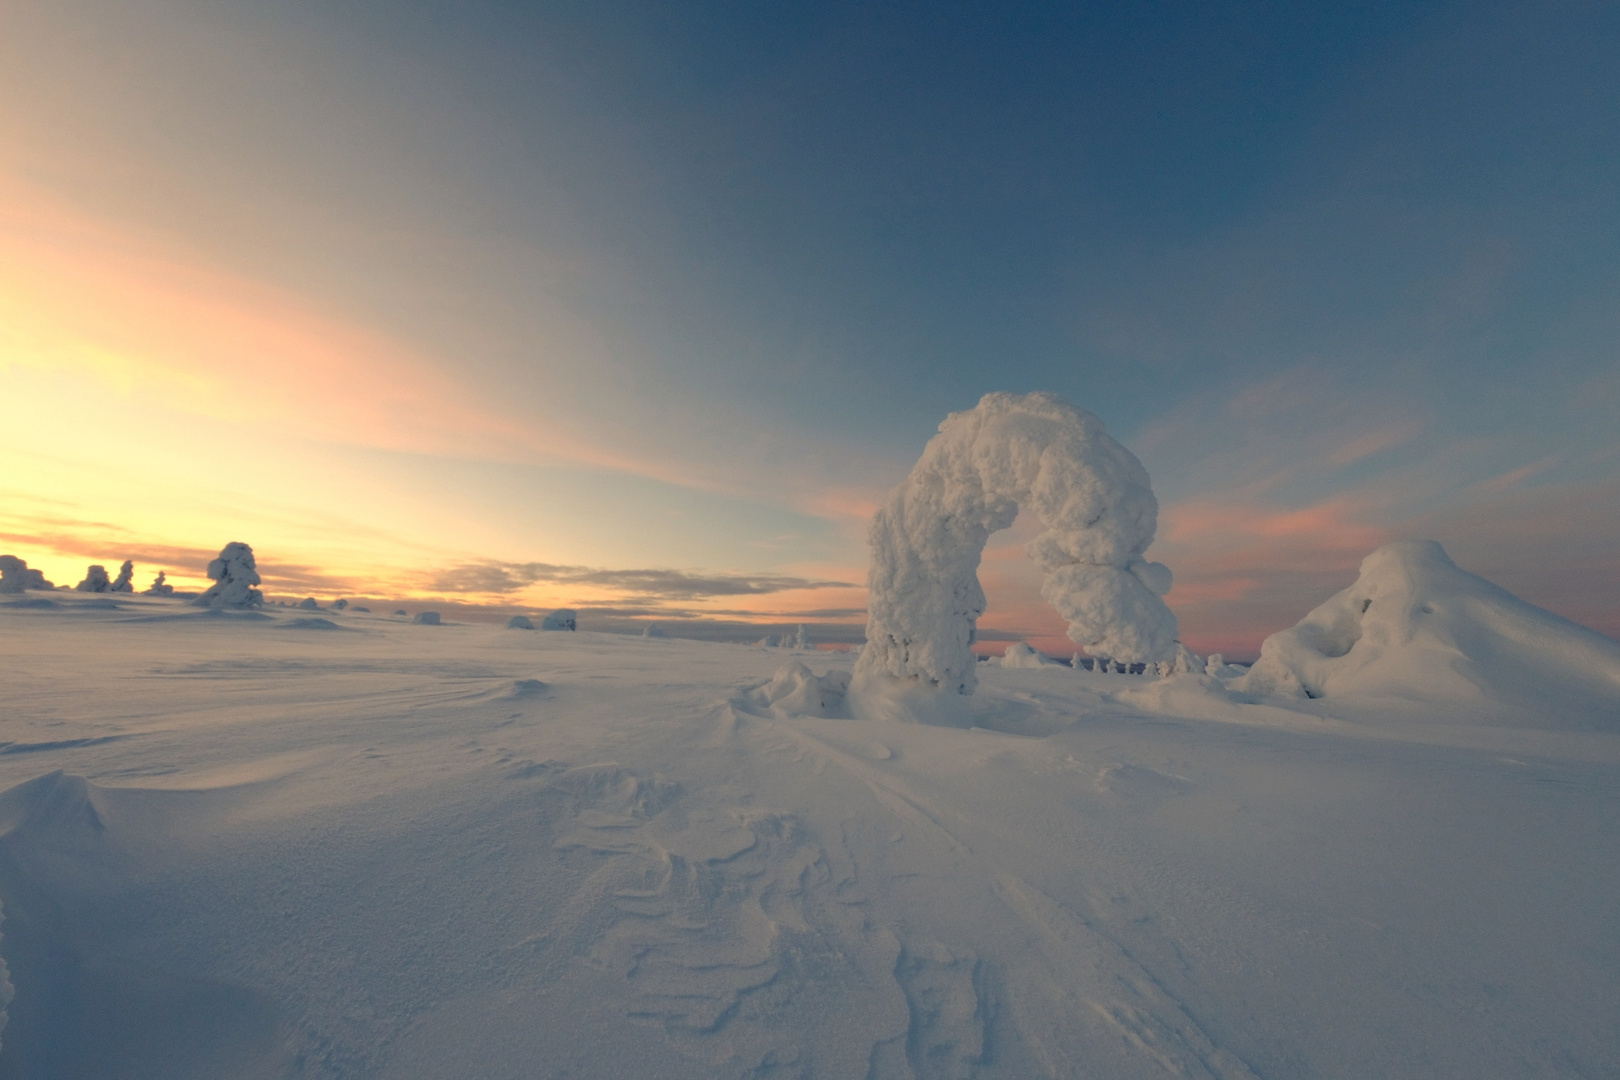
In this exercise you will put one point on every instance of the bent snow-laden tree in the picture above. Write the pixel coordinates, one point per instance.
(233, 574)
(1035, 452)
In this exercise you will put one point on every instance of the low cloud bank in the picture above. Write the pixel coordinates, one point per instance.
(502, 577)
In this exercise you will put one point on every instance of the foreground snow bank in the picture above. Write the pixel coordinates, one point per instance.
(1041, 453)
(1415, 625)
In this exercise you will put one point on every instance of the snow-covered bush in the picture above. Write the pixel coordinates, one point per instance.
(95, 580)
(160, 586)
(561, 619)
(520, 622)
(125, 582)
(1035, 452)
(795, 690)
(1019, 655)
(233, 575)
(339, 605)
(427, 618)
(308, 604)
(16, 577)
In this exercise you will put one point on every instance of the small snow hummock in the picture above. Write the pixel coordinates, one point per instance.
(653, 630)
(16, 577)
(1415, 625)
(520, 622)
(769, 641)
(1092, 494)
(1019, 655)
(339, 605)
(795, 690)
(427, 618)
(308, 604)
(561, 619)
(95, 580)
(160, 586)
(233, 575)
(125, 582)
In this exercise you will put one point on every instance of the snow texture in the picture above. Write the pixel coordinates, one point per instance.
(396, 855)
(427, 618)
(520, 622)
(95, 580)
(125, 582)
(16, 577)
(160, 586)
(233, 575)
(561, 619)
(1035, 452)
(1415, 625)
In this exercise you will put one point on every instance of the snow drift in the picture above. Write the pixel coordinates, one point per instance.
(1043, 454)
(1415, 625)
(233, 575)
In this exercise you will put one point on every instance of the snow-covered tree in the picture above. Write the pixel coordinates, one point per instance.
(95, 580)
(159, 586)
(561, 619)
(16, 577)
(125, 581)
(233, 575)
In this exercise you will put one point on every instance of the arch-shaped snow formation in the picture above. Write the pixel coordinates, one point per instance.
(1037, 452)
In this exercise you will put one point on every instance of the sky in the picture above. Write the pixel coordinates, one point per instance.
(642, 307)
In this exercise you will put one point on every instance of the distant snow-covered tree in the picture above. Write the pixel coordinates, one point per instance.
(158, 586)
(561, 619)
(233, 575)
(126, 578)
(95, 580)
(16, 577)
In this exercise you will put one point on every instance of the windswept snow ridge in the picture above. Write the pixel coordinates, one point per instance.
(1414, 625)
(1037, 452)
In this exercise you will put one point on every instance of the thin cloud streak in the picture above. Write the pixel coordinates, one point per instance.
(498, 577)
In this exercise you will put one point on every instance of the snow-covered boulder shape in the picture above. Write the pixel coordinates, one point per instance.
(795, 690)
(1035, 452)
(339, 605)
(125, 582)
(308, 604)
(95, 580)
(16, 577)
(428, 618)
(561, 619)
(520, 622)
(1415, 625)
(233, 575)
(1019, 655)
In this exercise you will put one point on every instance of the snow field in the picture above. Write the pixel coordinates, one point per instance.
(252, 847)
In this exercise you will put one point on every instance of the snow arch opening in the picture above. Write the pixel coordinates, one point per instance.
(1034, 452)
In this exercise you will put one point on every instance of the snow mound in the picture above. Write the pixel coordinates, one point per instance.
(16, 577)
(795, 690)
(1414, 625)
(233, 575)
(1019, 655)
(95, 580)
(1094, 497)
(427, 618)
(520, 622)
(561, 619)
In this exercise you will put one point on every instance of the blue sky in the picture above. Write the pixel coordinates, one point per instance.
(689, 286)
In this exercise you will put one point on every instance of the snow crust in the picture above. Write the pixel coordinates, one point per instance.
(1414, 625)
(234, 575)
(393, 855)
(1042, 454)
(16, 576)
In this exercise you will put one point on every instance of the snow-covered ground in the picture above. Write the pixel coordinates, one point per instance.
(342, 845)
